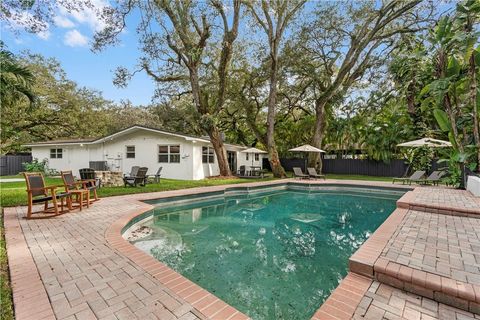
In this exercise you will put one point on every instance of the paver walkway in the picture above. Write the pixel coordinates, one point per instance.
(65, 268)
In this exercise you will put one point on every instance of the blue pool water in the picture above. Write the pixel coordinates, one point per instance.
(274, 255)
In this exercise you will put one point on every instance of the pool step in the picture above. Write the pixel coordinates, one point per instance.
(445, 290)
(368, 261)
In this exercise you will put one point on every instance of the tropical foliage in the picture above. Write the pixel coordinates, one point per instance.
(355, 77)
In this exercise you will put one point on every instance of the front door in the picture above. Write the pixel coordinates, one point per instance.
(232, 160)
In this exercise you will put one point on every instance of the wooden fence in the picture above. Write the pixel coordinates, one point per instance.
(12, 164)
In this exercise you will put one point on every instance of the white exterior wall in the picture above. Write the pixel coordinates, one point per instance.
(242, 160)
(146, 145)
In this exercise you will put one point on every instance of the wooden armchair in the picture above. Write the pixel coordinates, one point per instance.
(77, 188)
(37, 192)
(139, 179)
(92, 183)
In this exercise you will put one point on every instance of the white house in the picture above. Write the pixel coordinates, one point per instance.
(182, 156)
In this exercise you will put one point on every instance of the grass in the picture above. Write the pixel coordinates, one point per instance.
(6, 303)
(13, 193)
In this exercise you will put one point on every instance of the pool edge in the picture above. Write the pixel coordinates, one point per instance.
(207, 304)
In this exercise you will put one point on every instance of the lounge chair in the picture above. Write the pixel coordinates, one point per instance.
(156, 177)
(92, 183)
(298, 173)
(37, 192)
(133, 172)
(139, 179)
(313, 173)
(77, 188)
(434, 178)
(417, 175)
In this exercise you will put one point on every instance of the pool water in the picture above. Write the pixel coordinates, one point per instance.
(274, 255)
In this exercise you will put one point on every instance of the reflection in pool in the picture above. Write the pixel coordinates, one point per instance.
(271, 256)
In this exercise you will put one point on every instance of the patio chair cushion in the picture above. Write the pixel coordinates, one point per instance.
(48, 198)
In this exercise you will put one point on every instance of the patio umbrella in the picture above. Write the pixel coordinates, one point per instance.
(253, 151)
(306, 148)
(426, 142)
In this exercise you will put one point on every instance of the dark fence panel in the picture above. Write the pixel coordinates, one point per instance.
(287, 163)
(12, 164)
(394, 168)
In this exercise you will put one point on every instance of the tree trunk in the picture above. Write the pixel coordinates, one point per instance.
(473, 100)
(211, 129)
(317, 140)
(220, 151)
(453, 121)
(273, 157)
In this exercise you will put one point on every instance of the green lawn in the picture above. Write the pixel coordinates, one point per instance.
(13, 193)
(6, 305)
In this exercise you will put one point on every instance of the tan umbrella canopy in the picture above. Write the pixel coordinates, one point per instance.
(426, 142)
(306, 148)
(253, 151)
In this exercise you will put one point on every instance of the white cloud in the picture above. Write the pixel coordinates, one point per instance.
(63, 22)
(44, 35)
(74, 38)
(88, 15)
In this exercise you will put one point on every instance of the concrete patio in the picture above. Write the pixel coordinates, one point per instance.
(422, 263)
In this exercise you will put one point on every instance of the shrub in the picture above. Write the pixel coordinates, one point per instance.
(36, 166)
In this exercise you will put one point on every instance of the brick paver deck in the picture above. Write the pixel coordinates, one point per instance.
(441, 244)
(77, 266)
(385, 302)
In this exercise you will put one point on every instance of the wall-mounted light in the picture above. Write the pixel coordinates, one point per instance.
(185, 156)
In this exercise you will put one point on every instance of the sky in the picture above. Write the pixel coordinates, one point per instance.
(68, 40)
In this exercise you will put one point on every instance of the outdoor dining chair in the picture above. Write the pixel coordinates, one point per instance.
(37, 192)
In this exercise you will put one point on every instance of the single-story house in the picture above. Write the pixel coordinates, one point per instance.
(182, 156)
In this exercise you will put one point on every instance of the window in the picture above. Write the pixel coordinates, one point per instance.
(257, 157)
(169, 154)
(131, 152)
(246, 156)
(208, 155)
(56, 153)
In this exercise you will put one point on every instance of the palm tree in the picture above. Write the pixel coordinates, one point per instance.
(15, 80)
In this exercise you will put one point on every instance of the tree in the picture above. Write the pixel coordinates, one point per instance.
(16, 80)
(61, 109)
(340, 45)
(190, 53)
(273, 17)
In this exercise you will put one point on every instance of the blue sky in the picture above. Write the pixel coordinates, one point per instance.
(68, 40)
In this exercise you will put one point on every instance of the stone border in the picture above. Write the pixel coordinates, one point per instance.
(30, 300)
(344, 300)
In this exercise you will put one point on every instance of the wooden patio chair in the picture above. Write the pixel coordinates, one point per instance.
(78, 188)
(92, 183)
(37, 192)
(156, 177)
(139, 179)
(133, 172)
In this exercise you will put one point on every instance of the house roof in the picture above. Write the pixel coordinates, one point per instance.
(120, 133)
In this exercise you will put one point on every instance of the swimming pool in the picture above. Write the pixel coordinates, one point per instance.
(270, 253)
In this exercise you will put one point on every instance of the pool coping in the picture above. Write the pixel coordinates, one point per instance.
(205, 302)
(367, 265)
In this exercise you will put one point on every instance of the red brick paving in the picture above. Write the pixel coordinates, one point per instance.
(79, 266)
